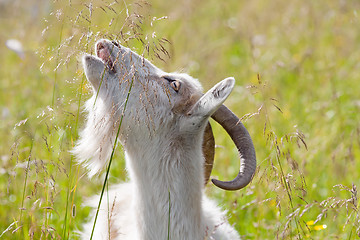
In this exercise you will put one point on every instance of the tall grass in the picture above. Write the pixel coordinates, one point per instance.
(297, 70)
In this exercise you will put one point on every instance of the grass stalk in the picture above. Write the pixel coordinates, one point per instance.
(110, 161)
(168, 235)
(57, 62)
(277, 149)
(25, 180)
(69, 187)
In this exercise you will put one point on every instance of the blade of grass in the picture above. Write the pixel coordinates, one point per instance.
(57, 62)
(79, 103)
(69, 187)
(110, 161)
(26, 177)
(108, 204)
(25, 183)
(277, 150)
(101, 81)
(168, 235)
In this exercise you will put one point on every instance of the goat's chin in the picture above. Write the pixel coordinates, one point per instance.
(94, 68)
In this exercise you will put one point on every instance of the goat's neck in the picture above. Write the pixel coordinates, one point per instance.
(163, 169)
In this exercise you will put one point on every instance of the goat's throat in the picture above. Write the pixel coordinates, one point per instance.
(168, 189)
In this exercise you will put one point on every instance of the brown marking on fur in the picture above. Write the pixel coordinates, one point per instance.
(189, 98)
(184, 106)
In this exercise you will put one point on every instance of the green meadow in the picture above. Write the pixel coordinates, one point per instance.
(297, 70)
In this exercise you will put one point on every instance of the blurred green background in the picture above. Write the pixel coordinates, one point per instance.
(297, 67)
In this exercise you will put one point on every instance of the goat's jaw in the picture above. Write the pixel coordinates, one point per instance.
(118, 62)
(94, 70)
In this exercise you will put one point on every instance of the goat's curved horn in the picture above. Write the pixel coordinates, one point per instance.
(208, 148)
(240, 136)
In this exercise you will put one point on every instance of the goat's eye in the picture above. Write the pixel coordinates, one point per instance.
(175, 85)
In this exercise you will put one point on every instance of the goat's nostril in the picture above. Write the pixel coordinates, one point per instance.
(100, 46)
(115, 43)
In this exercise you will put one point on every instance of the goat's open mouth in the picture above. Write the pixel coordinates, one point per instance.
(104, 53)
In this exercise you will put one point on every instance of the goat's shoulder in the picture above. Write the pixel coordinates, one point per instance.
(116, 216)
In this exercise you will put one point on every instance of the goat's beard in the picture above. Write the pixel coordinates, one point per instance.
(94, 147)
(97, 139)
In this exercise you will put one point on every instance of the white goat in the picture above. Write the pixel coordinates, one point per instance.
(164, 116)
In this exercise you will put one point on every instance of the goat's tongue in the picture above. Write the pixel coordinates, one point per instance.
(104, 54)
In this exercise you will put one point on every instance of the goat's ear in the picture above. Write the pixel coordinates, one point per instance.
(212, 99)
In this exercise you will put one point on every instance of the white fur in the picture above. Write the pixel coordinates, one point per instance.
(161, 134)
